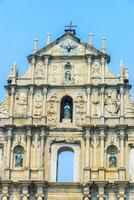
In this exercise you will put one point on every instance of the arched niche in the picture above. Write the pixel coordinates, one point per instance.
(18, 156)
(65, 165)
(112, 158)
(66, 108)
(58, 148)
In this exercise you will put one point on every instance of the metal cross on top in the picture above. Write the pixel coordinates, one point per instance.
(70, 28)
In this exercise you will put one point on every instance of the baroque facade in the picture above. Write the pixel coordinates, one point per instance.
(67, 101)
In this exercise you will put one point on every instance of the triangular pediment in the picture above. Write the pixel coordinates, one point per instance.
(68, 44)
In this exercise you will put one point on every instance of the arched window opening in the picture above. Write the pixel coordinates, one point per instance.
(65, 165)
(18, 156)
(112, 156)
(66, 109)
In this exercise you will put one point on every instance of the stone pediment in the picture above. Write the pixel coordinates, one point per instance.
(68, 45)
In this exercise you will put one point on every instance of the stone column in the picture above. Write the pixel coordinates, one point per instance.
(44, 105)
(28, 152)
(31, 91)
(122, 154)
(4, 194)
(12, 101)
(121, 193)
(46, 73)
(33, 63)
(89, 70)
(8, 155)
(25, 195)
(40, 195)
(101, 195)
(122, 158)
(88, 105)
(86, 195)
(42, 146)
(102, 136)
(121, 104)
(102, 105)
(103, 70)
(87, 156)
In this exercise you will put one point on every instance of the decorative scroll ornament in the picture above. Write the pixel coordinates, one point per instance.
(112, 104)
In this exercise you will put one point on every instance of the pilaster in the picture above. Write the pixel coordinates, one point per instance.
(25, 195)
(42, 151)
(31, 92)
(121, 104)
(44, 105)
(28, 152)
(8, 153)
(101, 169)
(89, 60)
(102, 104)
(5, 195)
(122, 154)
(88, 120)
(87, 156)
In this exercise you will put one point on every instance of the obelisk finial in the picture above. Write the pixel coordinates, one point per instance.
(48, 39)
(103, 45)
(35, 45)
(90, 39)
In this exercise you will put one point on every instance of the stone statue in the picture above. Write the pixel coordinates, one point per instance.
(95, 100)
(112, 159)
(67, 73)
(19, 158)
(67, 111)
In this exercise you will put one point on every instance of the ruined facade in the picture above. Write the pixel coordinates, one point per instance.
(67, 101)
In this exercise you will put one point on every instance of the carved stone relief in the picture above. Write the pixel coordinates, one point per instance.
(52, 110)
(39, 70)
(4, 109)
(96, 70)
(95, 102)
(128, 105)
(21, 104)
(80, 108)
(112, 103)
(37, 110)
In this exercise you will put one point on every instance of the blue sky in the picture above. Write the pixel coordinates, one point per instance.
(21, 21)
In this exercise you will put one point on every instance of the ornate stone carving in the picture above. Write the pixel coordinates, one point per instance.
(52, 110)
(4, 109)
(21, 103)
(39, 70)
(128, 105)
(37, 105)
(80, 120)
(112, 104)
(95, 101)
(68, 46)
(96, 70)
(80, 104)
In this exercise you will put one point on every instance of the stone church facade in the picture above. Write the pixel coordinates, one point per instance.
(67, 101)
